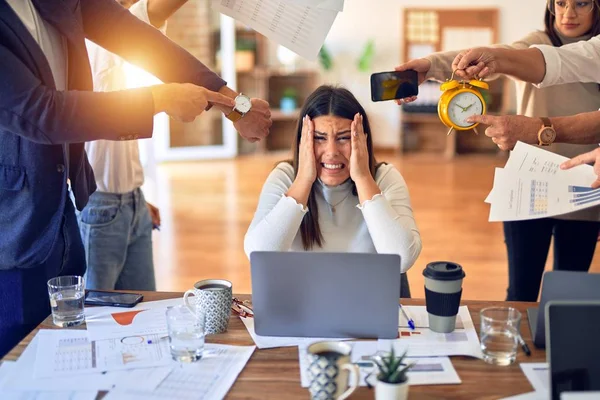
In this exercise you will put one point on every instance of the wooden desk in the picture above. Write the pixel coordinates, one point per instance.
(274, 373)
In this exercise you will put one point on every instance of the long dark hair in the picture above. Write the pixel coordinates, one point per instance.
(550, 30)
(339, 102)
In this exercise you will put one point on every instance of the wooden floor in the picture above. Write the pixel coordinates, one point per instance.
(207, 206)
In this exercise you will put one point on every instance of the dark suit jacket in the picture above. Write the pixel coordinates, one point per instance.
(36, 119)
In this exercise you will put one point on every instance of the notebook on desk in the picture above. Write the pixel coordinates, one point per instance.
(338, 295)
(561, 285)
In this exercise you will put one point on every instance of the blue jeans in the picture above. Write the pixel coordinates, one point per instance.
(116, 230)
(24, 301)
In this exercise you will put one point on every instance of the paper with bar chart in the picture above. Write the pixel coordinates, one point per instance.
(532, 185)
(298, 27)
(67, 353)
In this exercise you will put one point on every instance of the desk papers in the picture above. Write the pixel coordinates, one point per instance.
(422, 342)
(426, 371)
(147, 318)
(70, 352)
(209, 378)
(269, 342)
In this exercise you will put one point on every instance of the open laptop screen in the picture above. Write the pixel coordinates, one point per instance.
(573, 346)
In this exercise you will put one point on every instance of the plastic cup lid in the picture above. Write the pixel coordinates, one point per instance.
(444, 271)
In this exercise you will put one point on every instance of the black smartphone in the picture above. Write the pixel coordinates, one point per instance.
(394, 85)
(114, 299)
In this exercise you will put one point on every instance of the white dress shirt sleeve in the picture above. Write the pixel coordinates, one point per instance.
(575, 62)
(278, 217)
(390, 220)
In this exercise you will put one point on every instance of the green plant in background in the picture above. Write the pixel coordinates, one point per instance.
(365, 61)
(325, 58)
(391, 369)
(487, 97)
(242, 44)
(290, 93)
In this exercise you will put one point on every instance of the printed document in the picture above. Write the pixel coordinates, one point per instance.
(298, 27)
(209, 378)
(70, 352)
(532, 185)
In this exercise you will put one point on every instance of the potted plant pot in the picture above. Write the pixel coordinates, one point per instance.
(391, 391)
(392, 378)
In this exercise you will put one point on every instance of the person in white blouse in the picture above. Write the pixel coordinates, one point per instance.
(333, 196)
(116, 224)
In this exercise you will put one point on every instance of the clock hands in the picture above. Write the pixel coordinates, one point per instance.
(465, 108)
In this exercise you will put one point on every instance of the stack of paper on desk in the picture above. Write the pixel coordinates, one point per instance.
(422, 342)
(299, 25)
(532, 185)
(60, 364)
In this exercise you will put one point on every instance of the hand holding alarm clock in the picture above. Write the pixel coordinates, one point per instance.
(461, 100)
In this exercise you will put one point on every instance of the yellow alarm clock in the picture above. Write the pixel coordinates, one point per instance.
(461, 100)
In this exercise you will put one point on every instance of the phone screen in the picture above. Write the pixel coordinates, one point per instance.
(394, 85)
(94, 297)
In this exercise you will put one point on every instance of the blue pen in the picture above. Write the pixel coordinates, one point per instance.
(411, 323)
(155, 226)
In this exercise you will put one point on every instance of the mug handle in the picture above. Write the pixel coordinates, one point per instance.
(186, 301)
(355, 373)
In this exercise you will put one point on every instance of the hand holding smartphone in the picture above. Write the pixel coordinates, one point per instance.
(394, 85)
(113, 299)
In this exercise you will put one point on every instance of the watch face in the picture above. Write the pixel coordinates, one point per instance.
(242, 103)
(547, 135)
(462, 106)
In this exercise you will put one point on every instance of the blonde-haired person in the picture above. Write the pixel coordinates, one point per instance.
(333, 196)
(575, 235)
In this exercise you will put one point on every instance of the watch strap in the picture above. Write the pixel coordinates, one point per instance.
(546, 121)
(234, 115)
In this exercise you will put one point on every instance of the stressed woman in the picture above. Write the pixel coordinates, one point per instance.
(333, 196)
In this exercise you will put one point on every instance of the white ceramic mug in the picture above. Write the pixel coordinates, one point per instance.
(328, 369)
(214, 298)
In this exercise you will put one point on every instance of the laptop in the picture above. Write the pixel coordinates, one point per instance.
(561, 285)
(338, 295)
(572, 346)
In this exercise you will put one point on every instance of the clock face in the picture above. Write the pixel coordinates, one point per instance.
(462, 106)
(242, 103)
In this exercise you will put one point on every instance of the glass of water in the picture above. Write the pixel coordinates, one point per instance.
(186, 333)
(67, 294)
(500, 334)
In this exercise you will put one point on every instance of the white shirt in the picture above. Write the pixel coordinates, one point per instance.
(384, 224)
(116, 164)
(575, 62)
(51, 42)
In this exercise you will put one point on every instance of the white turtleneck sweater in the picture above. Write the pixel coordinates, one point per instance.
(384, 224)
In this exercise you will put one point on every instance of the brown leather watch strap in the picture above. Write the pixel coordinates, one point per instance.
(546, 121)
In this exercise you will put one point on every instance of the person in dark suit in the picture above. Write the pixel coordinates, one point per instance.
(47, 111)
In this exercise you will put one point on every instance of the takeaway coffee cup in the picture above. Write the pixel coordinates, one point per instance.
(443, 289)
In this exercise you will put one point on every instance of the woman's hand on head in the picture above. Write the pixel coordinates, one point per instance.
(307, 165)
(359, 158)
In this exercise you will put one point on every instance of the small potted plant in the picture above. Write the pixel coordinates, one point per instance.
(289, 99)
(392, 381)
